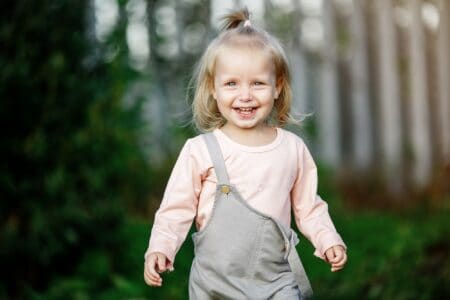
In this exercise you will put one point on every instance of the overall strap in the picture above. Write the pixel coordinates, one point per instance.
(217, 158)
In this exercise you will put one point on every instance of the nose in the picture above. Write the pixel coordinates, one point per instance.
(245, 93)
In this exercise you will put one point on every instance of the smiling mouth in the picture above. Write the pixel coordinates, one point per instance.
(245, 112)
(244, 109)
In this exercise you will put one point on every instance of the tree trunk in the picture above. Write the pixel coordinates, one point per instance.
(157, 107)
(443, 81)
(298, 67)
(361, 118)
(389, 99)
(328, 111)
(419, 128)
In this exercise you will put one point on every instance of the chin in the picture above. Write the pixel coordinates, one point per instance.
(247, 126)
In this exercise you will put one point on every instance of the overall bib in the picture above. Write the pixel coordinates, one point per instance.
(242, 253)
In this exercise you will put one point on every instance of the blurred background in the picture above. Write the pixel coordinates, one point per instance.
(95, 108)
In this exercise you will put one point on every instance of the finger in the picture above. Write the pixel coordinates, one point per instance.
(161, 263)
(339, 265)
(341, 262)
(339, 254)
(151, 264)
(335, 269)
(151, 279)
(152, 282)
(153, 275)
(170, 266)
(329, 254)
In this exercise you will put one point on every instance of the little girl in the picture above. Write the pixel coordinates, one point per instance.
(240, 180)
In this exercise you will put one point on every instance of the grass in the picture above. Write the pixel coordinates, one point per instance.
(391, 256)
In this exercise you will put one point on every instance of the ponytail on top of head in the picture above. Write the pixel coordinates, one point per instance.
(235, 18)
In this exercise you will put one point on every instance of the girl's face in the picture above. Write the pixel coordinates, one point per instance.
(245, 87)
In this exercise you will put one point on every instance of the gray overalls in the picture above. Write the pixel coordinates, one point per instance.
(242, 253)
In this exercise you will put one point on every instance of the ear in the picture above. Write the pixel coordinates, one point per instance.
(212, 89)
(278, 87)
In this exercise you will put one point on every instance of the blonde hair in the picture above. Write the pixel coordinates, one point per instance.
(237, 31)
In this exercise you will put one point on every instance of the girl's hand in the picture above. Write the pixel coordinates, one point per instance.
(337, 257)
(156, 263)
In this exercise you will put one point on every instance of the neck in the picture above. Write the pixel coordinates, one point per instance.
(251, 137)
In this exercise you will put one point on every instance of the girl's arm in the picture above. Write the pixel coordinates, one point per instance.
(178, 207)
(310, 211)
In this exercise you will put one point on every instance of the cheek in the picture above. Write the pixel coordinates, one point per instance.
(223, 108)
(267, 96)
(216, 92)
(224, 96)
(220, 103)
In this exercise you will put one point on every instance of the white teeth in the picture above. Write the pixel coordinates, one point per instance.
(245, 109)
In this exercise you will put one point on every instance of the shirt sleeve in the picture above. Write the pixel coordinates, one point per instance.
(178, 206)
(310, 211)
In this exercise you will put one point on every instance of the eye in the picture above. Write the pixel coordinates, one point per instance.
(230, 83)
(259, 83)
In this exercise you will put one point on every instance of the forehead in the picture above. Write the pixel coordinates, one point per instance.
(244, 57)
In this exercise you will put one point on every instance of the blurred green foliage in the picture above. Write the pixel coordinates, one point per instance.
(74, 184)
(69, 152)
(391, 257)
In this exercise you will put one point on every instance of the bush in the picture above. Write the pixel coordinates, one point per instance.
(69, 154)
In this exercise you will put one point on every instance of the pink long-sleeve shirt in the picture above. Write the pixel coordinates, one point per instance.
(273, 179)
